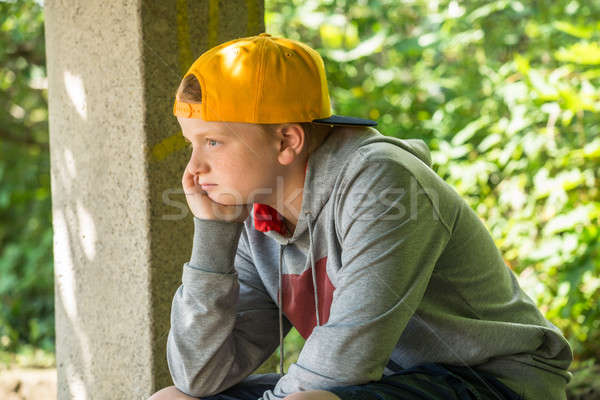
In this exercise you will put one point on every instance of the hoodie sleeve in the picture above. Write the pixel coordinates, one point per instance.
(390, 238)
(224, 325)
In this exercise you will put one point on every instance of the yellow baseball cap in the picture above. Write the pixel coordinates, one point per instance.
(262, 79)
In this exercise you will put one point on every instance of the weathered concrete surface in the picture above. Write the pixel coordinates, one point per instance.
(122, 230)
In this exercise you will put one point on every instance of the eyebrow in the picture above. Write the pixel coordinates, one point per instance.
(204, 133)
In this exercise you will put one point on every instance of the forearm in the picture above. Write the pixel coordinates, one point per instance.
(222, 326)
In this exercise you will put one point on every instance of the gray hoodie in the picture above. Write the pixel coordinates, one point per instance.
(388, 267)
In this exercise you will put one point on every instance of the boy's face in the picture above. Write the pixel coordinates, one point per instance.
(239, 158)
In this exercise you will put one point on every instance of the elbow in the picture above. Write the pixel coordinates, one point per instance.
(193, 385)
(186, 378)
(191, 382)
(196, 373)
(190, 389)
(190, 379)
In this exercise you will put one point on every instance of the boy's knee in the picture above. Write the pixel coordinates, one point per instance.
(170, 393)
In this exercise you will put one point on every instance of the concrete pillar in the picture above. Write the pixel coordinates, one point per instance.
(122, 229)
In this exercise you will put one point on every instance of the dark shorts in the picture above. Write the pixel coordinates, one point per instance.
(430, 381)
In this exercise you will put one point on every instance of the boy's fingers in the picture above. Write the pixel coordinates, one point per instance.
(189, 179)
(189, 184)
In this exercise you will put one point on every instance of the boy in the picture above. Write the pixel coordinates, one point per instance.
(321, 222)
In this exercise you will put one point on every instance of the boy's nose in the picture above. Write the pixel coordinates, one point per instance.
(198, 166)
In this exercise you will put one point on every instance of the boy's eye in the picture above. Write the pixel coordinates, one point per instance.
(210, 143)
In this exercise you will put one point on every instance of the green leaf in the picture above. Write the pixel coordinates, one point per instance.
(486, 10)
(469, 130)
(583, 32)
(580, 53)
(566, 222)
(368, 47)
(592, 149)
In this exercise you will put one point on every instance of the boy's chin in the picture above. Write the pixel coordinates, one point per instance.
(225, 200)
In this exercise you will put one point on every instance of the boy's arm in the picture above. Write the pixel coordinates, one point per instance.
(224, 325)
(388, 255)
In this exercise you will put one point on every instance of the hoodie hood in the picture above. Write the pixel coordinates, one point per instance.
(322, 169)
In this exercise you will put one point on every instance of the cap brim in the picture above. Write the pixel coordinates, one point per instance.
(341, 120)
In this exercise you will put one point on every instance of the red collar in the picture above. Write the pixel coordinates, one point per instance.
(266, 218)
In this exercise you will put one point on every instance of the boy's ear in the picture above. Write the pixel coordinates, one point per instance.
(292, 140)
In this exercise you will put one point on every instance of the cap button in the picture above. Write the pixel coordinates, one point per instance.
(265, 34)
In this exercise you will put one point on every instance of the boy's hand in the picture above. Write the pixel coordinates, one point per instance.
(204, 207)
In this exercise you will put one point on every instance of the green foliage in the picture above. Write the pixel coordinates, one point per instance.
(585, 384)
(26, 273)
(506, 95)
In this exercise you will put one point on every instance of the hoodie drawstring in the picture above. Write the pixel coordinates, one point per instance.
(312, 267)
(280, 300)
(280, 297)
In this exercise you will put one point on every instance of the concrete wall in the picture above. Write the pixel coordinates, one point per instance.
(122, 230)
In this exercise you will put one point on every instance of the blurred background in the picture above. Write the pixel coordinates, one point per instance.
(505, 93)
